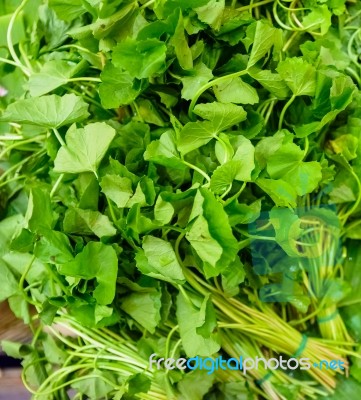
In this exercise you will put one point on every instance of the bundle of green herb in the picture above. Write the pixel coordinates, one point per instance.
(182, 178)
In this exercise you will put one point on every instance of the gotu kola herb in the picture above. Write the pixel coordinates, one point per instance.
(181, 178)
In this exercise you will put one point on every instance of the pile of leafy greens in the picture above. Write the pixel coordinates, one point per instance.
(181, 177)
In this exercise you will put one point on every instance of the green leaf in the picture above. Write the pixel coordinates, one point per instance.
(346, 389)
(140, 58)
(67, 10)
(88, 222)
(196, 134)
(98, 261)
(212, 13)
(207, 248)
(85, 148)
(10, 286)
(117, 188)
(164, 151)
(224, 116)
(158, 260)
(198, 76)
(39, 214)
(318, 18)
(299, 76)
(53, 247)
(18, 33)
(117, 87)
(264, 38)
(163, 211)
(144, 308)
(232, 278)
(224, 176)
(139, 383)
(191, 319)
(181, 47)
(235, 90)
(47, 111)
(287, 229)
(272, 82)
(239, 168)
(94, 386)
(346, 145)
(286, 164)
(211, 235)
(282, 193)
(52, 75)
(195, 385)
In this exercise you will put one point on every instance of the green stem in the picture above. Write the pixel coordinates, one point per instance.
(235, 196)
(60, 139)
(85, 79)
(6, 61)
(357, 203)
(283, 112)
(249, 7)
(10, 41)
(56, 185)
(196, 169)
(23, 276)
(147, 4)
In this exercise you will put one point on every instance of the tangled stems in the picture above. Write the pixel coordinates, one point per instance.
(96, 350)
(267, 328)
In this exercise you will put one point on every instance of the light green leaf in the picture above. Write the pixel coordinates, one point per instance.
(191, 319)
(53, 247)
(164, 151)
(245, 155)
(196, 134)
(144, 308)
(39, 214)
(67, 10)
(299, 76)
(272, 82)
(163, 211)
(47, 111)
(158, 260)
(211, 13)
(282, 193)
(318, 18)
(117, 87)
(208, 249)
(117, 188)
(199, 76)
(97, 386)
(180, 44)
(346, 145)
(223, 116)
(286, 164)
(224, 175)
(264, 39)
(85, 148)
(212, 228)
(195, 385)
(9, 284)
(88, 222)
(53, 74)
(235, 90)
